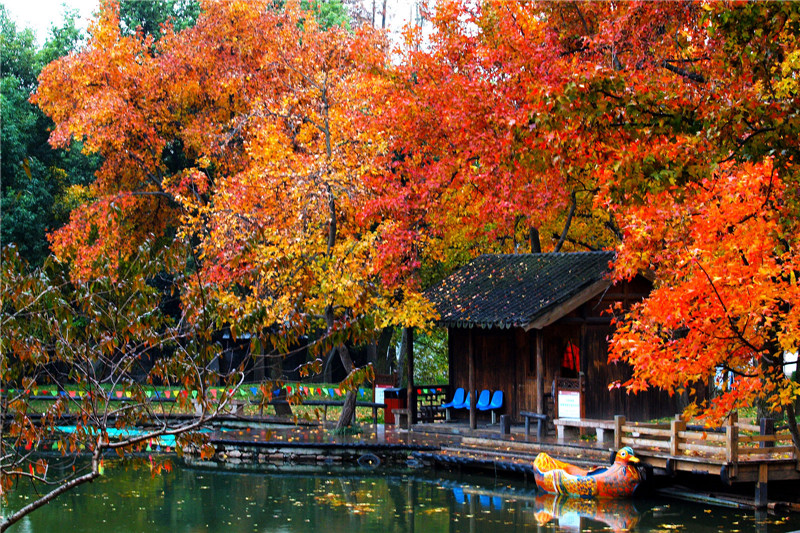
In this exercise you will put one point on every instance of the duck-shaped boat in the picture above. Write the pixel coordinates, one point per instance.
(616, 481)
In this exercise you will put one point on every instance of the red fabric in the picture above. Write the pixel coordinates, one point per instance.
(572, 357)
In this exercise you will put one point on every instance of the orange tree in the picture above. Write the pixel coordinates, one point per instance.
(670, 127)
(714, 214)
(486, 141)
(240, 136)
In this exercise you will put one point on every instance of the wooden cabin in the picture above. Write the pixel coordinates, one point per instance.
(537, 326)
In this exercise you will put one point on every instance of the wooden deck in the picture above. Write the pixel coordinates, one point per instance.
(736, 452)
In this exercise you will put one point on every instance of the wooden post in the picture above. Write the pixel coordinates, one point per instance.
(514, 393)
(761, 498)
(473, 412)
(540, 372)
(619, 422)
(732, 444)
(676, 426)
(767, 427)
(582, 367)
(411, 391)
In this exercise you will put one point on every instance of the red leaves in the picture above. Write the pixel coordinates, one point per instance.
(724, 298)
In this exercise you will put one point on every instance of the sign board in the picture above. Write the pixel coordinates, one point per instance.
(569, 404)
(379, 390)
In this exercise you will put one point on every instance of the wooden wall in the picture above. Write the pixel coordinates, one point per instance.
(496, 363)
(600, 402)
(505, 359)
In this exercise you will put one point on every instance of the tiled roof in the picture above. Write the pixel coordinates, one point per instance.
(514, 290)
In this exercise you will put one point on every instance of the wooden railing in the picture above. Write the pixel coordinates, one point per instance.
(731, 443)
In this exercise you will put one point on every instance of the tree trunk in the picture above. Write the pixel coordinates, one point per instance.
(536, 244)
(792, 421)
(401, 359)
(349, 408)
(383, 360)
(567, 223)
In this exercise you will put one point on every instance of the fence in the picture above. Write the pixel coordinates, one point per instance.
(732, 443)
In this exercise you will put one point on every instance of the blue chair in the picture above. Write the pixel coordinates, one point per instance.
(486, 501)
(458, 399)
(458, 495)
(494, 404)
(465, 403)
(497, 502)
(483, 400)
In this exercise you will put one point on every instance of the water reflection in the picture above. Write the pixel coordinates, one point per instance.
(194, 500)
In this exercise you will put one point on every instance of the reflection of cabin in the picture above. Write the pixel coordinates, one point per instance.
(518, 322)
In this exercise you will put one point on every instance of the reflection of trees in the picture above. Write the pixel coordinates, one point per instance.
(398, 502)
(189, 501)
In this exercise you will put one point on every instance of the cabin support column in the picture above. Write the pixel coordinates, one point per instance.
(473, 412)
(410, 392)
(540, 408)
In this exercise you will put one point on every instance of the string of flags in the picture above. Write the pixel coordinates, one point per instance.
(330, 392)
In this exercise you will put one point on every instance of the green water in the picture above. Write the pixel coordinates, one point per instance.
(129, 499)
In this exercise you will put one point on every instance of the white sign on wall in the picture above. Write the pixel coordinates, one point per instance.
(379, 390)
(569, 404)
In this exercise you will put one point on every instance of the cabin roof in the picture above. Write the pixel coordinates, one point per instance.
(529, 291)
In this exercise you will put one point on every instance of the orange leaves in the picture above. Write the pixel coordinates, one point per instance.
(724, 298)
(207, 451)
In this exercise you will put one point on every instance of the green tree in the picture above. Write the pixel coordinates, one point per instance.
(40, 184)
(150, 16)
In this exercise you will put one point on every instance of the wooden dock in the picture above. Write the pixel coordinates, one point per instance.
(737, 452)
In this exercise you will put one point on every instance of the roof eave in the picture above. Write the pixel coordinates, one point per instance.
(561, 310)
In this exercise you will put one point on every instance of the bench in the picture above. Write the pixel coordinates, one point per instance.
(401, 418)
(541, 421)
(603, 428)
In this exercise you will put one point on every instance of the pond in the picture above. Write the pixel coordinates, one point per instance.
(349, 500)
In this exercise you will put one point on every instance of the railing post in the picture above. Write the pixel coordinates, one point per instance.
(732, 444)
(796, 455)
(676, 426)
(619, 422)
(766, 427)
